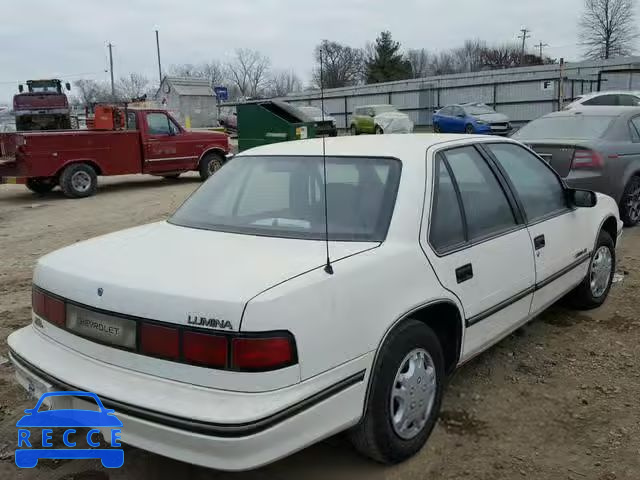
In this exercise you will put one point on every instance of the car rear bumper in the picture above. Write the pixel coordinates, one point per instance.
(181, 421)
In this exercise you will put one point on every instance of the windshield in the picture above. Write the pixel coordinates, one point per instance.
(284, 197)
(478, 109)
(574, 127)
(384, 109)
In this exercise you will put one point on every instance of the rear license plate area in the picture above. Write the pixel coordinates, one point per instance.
(117, 331)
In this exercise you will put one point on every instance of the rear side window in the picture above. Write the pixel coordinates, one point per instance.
(447, 227)
(486, 208)
(538, 188)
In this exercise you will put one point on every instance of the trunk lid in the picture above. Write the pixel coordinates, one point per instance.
(559, 153)
(169, 273)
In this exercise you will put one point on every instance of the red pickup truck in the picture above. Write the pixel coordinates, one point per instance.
(152, 143)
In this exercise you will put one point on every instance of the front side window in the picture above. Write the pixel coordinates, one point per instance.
(161, 124)
(486, 208)
(447, 227)
(601, 100)
(629, 100)
(539, 189)
(284, 197)
(635, 125)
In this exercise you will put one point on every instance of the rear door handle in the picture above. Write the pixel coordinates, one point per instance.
(464, 273)
(539, 242)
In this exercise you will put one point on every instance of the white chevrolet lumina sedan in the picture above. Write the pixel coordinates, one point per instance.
(221, 337)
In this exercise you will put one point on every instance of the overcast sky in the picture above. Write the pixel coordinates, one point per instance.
(68, 39)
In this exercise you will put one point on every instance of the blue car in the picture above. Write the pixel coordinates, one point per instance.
(69, 418)
(475, 118)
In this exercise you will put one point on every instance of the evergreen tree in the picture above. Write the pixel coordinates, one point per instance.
(386, 62)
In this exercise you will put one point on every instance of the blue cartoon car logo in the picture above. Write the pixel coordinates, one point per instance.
(68, 419)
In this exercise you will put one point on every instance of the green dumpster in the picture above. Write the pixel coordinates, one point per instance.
(271, 121)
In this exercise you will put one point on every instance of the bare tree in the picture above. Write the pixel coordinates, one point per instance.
(608, 28)
(91, 91)
(343, 65)
(468, 58)
(249, 72)
(443, 64)
(501, 56)
(420, 61)
(133, 86)
(283, 82)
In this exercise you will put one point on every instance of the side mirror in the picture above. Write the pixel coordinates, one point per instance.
(582, 198)
(21, 88)
(68, 86)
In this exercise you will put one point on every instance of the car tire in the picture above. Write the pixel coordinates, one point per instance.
(41, 185)
(379, 434)
(469, 129)
(210, 164)
(595, 287)
(436, 128)
(630, 203)
(354, 130)
(379, 130)
(79, 181)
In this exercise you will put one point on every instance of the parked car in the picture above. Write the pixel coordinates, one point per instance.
(471, 118)
(243, 345)
(229, 122)
(593, 148)
(606, 99)
(325, 124)
(152, 142)
(379, 119)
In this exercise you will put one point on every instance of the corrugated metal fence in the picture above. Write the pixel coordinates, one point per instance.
(523, 94)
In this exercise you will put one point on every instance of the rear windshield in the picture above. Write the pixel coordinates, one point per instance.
(574, 127)
(284, 197)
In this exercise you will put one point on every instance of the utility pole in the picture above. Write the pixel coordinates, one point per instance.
(113, 86)
(525, 35)
(159, 63)
(541, 46)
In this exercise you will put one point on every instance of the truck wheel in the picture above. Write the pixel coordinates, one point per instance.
(379, 130)
(79, 180)
(41, 185)
(210, 164)
(405, 395)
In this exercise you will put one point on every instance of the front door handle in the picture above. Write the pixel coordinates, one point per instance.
(539, 242)
(464, 273)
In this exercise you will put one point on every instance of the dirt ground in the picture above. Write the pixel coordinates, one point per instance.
(560, 399)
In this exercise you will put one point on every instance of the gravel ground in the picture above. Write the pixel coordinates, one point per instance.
(557, 400)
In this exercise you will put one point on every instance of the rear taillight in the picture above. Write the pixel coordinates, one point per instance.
(256, 354)
(157, 341)
(49, 308)
(587, 159)
(205, 349)
(248, 352)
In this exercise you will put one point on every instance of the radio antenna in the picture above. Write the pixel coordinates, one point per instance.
(327, 268)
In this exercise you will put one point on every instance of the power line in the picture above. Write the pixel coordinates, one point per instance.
(525, 35)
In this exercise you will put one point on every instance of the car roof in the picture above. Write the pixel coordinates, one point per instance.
(375, 105)
(596, 111)
(608, 92)
(402, 146)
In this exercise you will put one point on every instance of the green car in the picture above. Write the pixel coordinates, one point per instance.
(379, 119)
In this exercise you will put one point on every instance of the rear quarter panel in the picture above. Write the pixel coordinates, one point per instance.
(114, 153)
(338, 318)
